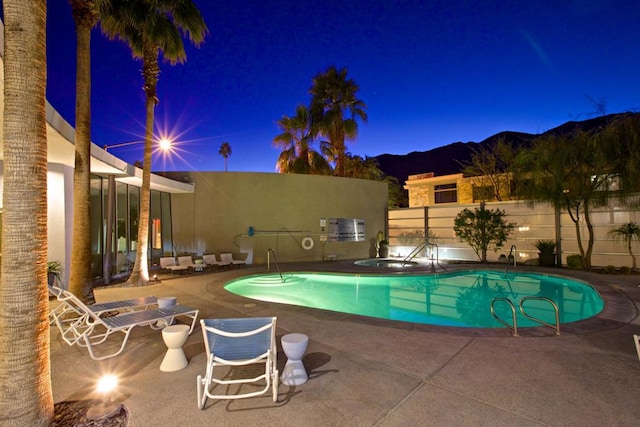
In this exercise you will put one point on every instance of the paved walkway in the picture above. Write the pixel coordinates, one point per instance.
(369, 372)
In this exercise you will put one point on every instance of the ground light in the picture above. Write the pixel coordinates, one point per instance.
(106, 408)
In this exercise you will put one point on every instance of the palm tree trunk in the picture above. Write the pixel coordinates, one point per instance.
(80, 275)
(25, 395)
(150, 70)
(633, 257)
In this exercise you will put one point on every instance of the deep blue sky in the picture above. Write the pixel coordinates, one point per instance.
(431, 73)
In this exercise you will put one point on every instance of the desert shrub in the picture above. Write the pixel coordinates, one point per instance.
(610, 269)
(482, 229)
(625, 269)
(574, 262)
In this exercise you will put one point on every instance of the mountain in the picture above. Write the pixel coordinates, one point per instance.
(446, 160)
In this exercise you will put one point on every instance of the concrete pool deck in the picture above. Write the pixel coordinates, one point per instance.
(367, 372)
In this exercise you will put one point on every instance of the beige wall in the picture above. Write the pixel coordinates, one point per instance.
(282, 208)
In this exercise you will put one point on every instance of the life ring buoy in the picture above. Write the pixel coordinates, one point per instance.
(307, 243)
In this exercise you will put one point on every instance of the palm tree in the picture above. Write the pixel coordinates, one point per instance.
(26, 398)
(225, 151)
(298, 156)
(335, 110)
(85, 15)
(628, 233)
(357, 167)
(150, 27)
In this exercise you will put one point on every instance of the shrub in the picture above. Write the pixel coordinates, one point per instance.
(625, 269)
(545, 246)
(610, 269)
(482, 229)
(574, 262)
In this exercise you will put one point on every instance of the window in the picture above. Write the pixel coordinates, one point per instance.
(446, 193)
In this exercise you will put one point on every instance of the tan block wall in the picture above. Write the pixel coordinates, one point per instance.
(282, 209)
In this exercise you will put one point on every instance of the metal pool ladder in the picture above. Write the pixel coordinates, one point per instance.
(275, 259)
(514, 327)
(513, 248)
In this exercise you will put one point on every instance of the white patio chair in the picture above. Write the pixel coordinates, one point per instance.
(167, 262)
(238, 342)
(79, 324)
(210, 259)
(228, 258)
(636, 340)
(186, 261)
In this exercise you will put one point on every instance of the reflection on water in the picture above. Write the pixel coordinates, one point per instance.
(452, 299)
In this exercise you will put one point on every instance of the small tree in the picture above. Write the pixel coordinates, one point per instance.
(491, 168)
(482, 229)
(628, 232)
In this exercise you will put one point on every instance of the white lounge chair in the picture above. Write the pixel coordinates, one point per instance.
(210, 259)
(186, 261)
(228, 257)
(128, 304)
(169, 263)
(79, 324)
(636, 340)
(238, 342)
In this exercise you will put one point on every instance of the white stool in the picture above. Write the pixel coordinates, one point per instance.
(294, 346)
(174, 337)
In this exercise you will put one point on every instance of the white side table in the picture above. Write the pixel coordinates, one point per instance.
(174, 337)
(294, 346)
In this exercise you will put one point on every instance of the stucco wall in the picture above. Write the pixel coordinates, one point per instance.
(282, 209)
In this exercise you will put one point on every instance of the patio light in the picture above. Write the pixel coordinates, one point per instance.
(106, 408)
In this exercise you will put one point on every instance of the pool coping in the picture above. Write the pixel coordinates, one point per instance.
(619, 309)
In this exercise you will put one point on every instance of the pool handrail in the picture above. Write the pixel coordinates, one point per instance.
(422, 246)
(513, 248)
(275, 259)
(535, 319)
(525, 314)
(514, 328)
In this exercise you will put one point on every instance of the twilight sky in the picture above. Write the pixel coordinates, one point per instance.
(431, 72)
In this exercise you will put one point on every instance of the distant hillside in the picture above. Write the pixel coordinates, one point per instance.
(446, 160)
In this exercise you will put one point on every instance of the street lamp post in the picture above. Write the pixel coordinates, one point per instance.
(164, 144)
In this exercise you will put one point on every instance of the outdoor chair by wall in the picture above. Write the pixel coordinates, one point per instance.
(238, 342)
(79, 324)
(636, 340)
(186, 261)
(210, 259)
(167, 262)
(228, 258)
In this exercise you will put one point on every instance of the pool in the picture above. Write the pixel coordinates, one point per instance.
(386, 262)
(461, 298)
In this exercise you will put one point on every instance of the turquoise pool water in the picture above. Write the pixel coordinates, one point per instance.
(461, 298)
